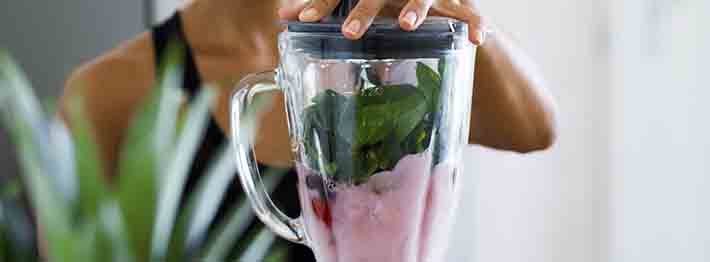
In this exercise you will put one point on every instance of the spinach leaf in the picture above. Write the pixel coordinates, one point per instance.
(390, 109)
(411, 115)
(350, 138)
(430, 83)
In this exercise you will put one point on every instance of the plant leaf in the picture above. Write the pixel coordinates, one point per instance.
(113, 230)
(23, 117)
(259, 247)
(62, 150)
(51, 210)
(193, 222)
(92, 187)
(230, 229)
(175, 176)
(137, 180)
(278, 253)
(18, 93)
(140, 160)
(87, 241)
(209, 194)
(17, 243)
(168, 112)
(5, 247)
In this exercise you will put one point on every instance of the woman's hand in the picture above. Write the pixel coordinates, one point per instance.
(410, 13)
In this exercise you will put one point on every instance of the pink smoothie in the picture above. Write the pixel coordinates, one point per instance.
(401, 215)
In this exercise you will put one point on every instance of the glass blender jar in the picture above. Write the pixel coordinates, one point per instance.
(377, 127)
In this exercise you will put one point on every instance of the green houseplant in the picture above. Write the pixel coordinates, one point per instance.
(139, 216)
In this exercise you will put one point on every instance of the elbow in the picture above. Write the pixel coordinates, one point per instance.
(533, 140)
(542, 131)
(542, 136)
(543, 139)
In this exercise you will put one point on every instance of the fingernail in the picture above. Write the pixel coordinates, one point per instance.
(309, 14)
(410, 18)
(353, 27)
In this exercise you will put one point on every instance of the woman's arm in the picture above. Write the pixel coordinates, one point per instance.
(511, 107)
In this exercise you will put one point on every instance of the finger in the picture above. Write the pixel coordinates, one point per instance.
(291, 11)
(476, 29)
(414, 13)
(317, 9)
(361, 17)
(467, 13)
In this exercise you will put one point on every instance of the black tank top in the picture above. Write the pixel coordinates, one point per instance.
(285, 195)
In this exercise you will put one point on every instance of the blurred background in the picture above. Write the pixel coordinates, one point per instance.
(629, 178)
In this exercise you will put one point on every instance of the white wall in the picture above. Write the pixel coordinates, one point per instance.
(661, 132)
(547, 207)
(165, 8)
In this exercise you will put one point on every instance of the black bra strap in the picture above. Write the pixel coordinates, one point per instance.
(171, 31)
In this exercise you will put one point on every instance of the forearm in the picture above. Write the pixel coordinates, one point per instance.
(511, 108)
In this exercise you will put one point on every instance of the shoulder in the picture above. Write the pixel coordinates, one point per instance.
(130, 66)
(111, 88)
(113, 85)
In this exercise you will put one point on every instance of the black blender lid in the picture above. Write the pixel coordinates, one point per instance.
(435, 37)
(381, 25)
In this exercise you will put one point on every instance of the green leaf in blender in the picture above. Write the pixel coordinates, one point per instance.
(388, 109)
(350, 138)
(430, 83)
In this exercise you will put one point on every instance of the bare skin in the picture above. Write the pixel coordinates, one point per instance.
(233, 38)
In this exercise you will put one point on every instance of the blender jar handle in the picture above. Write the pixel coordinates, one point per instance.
(284, 226)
